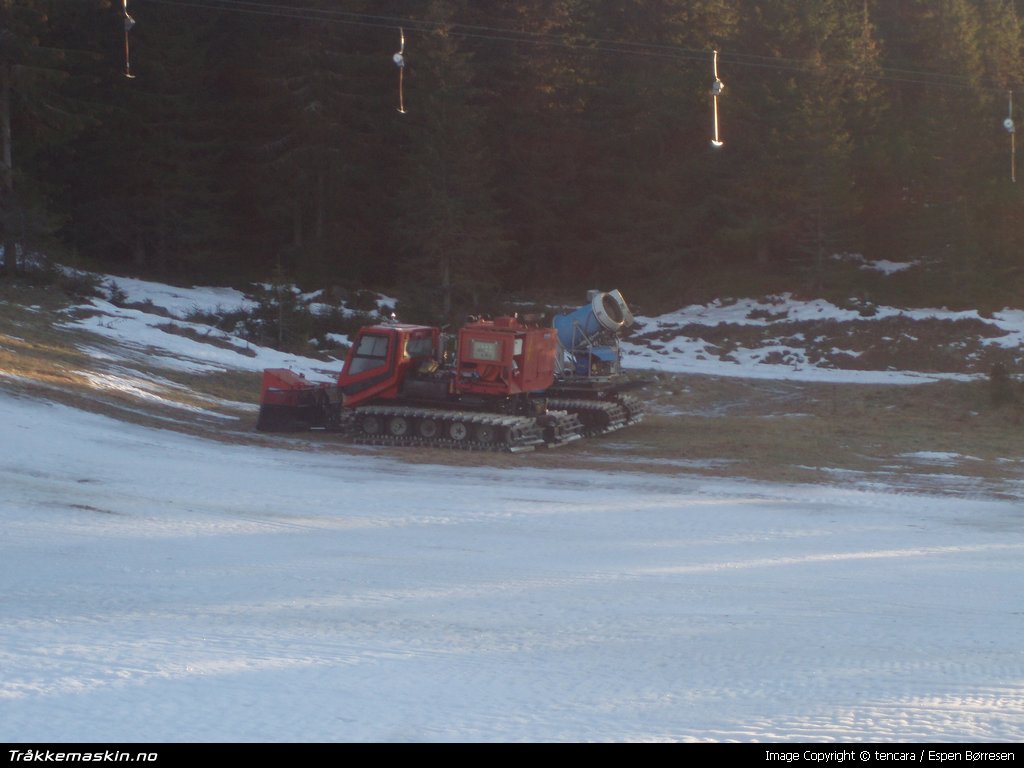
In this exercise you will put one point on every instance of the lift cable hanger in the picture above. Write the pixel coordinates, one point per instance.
(716, 89)
(399, 59)
(597, 46)
(588, 45)
(129, 22)
(1008, 124)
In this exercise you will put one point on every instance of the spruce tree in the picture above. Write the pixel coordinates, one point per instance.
(448, 227)
(37, 117)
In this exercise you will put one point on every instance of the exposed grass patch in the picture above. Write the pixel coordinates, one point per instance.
(765, 430)
(893, 343)
(38, 356)
(205, 338)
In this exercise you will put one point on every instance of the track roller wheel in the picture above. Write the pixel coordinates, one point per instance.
(427, 428)
(487, 433)
(458, 431)
(371, 425)
(398, 426)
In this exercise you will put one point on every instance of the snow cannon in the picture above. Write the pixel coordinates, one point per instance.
(604, 312)
(588, 335)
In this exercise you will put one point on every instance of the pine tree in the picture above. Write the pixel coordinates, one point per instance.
(297, 135)
(448, 226)
(150, 182)
(803, 126)
(998, 201)
(536, 134)
(37, 116)
(944, 109)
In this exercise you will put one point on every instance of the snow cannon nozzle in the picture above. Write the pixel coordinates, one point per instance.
(605, 312)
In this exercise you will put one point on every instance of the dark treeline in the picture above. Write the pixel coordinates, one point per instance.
(548, 146)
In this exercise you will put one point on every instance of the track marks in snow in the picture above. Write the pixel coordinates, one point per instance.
(835, 557)
(982, 715)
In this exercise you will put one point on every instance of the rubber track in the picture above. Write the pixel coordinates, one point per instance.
(521, 433)
(634, 408)
(561, 427)
(598, 416)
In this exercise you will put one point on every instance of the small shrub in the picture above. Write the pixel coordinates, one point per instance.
(224, 321)
(363, 301)
(147, 306)
(1001, 387)
(116, 295)
(867, 310)
(765, 314)
(78, 285)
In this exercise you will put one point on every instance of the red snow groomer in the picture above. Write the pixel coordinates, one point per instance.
(404, 385)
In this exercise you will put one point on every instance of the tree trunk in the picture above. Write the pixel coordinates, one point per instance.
(139, 250)
(321, 204)
(6, 172)
(446, 287)
(298, 237)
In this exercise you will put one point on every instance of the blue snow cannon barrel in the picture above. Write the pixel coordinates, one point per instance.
(579, 331)
(605, 312)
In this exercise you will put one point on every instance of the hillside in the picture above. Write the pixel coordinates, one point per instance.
(536, 146)
(769, 560)
(770, 389)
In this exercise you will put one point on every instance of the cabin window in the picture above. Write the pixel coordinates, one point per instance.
(422, 347)
(371, 352)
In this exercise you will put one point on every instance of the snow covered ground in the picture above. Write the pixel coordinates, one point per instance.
(684, 353)
(679, 352)
(159, 587)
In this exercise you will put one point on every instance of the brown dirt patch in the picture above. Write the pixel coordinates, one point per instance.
(914, 437)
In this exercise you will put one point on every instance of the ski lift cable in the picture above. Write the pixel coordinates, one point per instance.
(506, 34)
(464, 30)
(582, 44)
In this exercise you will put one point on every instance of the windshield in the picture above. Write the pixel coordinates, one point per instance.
(372, 352)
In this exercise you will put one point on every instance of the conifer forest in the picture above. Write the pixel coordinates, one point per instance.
(463, 152)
